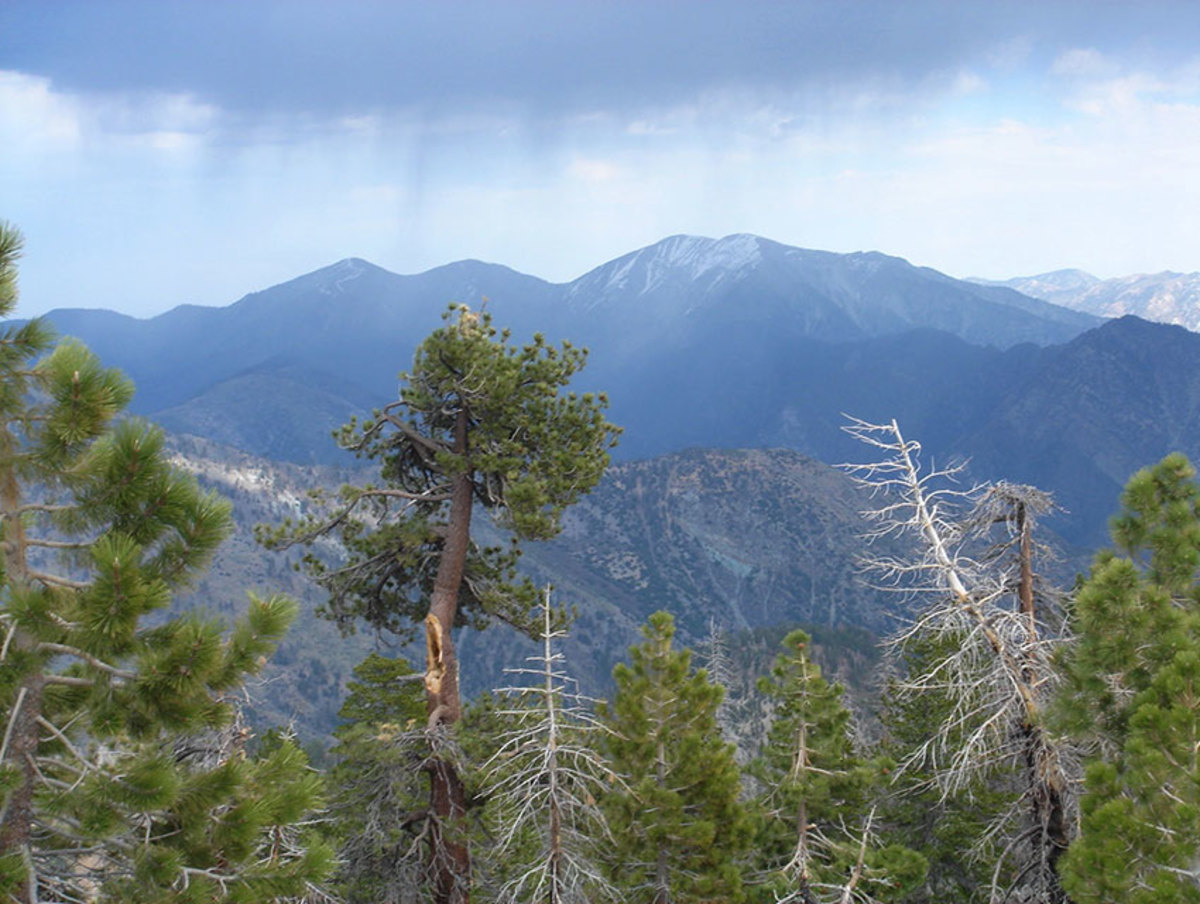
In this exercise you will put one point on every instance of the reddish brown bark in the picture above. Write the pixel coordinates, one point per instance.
(1025, 587)
(450, 860)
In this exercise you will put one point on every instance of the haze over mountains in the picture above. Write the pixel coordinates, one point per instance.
(703, 346)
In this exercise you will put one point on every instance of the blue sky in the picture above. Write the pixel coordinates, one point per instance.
(156, 153)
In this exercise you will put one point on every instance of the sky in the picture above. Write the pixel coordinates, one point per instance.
(161, 152)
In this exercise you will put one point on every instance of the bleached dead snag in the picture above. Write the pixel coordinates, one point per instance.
(544, 782)
(999, 675)
(722, 673)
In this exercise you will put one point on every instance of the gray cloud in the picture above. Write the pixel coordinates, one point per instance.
(537, 56)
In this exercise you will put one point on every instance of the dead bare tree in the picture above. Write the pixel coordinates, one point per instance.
(997, 673)
(543, 783)
(722, 672)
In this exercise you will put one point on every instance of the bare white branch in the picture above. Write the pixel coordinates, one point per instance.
(978, 594)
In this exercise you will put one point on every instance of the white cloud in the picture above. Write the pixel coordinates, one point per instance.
(968, 82)
(1083, 62)
(36, 117)
(978, 170)
(32, 115)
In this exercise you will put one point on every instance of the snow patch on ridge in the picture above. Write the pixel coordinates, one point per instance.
(342, 272)
(692, 256)
(681, 258)
(253, 479)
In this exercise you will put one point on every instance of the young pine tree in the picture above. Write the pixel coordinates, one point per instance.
(377, 785)
(815, 813)
(1133, 688)
(105, 701)
(680, 827)
(952, 829)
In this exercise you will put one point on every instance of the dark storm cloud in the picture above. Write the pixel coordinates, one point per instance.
(326, 57)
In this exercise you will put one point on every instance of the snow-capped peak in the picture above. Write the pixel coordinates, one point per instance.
(682, 257)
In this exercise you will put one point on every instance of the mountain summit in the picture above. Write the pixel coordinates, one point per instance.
(814, 294)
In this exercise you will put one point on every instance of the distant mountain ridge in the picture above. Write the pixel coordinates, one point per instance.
(1165, 297)
(720, 343)
(730, 363)
(339, 336)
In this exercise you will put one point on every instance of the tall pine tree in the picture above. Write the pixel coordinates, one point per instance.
(680, 827)
(478, 422)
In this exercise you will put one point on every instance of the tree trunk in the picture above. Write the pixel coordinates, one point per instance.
(450, 860)
(1025, 586)
(556, 827)
(1049, 815)
(16, 824)
(1046, 790)
(662, 874)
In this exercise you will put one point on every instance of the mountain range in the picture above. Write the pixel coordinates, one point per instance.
(730, 363)
(743, 540)
(720, 343)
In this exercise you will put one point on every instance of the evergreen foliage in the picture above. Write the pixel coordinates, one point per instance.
(816, 808)
(476, 412)
(952, 829)
(121, 772)
(377, 784)
(679, 826)
(1133, 687)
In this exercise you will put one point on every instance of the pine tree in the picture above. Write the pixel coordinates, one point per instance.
(103, 791)
(377, 783)
(679, 826)
(1133, 689)
(814, 840)
(478, 422)
(951, 829)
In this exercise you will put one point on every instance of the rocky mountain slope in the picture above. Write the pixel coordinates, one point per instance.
(741, 539)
